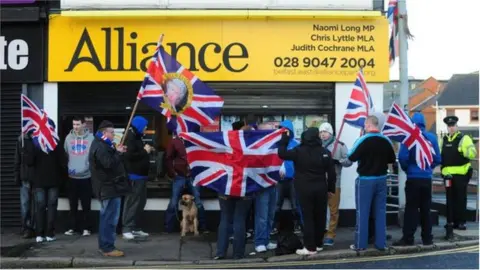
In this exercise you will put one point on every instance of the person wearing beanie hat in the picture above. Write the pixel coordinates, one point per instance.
(109, 183)
(340, 160)
(137, 163)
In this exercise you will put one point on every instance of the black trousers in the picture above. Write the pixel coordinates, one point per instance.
(79, 189)
(313, 200)
(418, 194)
(457, 199)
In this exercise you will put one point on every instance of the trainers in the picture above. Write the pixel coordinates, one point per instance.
(230, 238)
(248, 235)
(70, 232)
(305, 251)
(128, 236)
(260, 248)
(319, 249)
(271, 246)
(114, 253)
(328, 242)
(353, 247)
(140, 233)
(297, 229)
(402, 242)
(86, 233)
(274, 231)
(51, 239)
(39, 239)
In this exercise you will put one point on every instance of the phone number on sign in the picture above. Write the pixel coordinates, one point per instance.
(330, 62)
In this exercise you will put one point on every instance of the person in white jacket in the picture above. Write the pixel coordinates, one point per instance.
(340, 158)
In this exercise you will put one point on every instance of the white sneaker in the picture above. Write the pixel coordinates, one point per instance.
(86, 233)
(39, 239)
(128, 236)
(305, 251)
(260, 249)
(70, 232)
(50, 239)
(140, 233)
(319, 249)
(271, 246)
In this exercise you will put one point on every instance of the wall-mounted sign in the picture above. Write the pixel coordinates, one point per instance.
(119, 49)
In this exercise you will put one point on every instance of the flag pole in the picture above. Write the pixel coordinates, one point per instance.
(124, 137)
(338, 137)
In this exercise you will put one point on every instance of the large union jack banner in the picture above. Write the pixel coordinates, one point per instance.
(359, 104)
(400, 128)
(170, 88)
(235, 163)
(36, 120)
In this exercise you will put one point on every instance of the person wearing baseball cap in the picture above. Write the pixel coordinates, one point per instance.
(457, 151)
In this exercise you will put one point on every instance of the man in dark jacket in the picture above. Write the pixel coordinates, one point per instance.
(312, 163)
(373, 152)
(110, 183)
(49, 172)
(179, 170)
(24, 173)
(418, 189)
(137, 161)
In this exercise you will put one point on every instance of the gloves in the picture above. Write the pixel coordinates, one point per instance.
(337, 162)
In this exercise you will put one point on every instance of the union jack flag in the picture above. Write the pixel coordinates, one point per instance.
(194, 103)
(36, 120)
(359, 104)
(400, 128)
(235, 163)
(392, 16)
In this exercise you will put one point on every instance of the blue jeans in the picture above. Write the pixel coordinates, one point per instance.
(107, 229)
(233, 211)
(27, 206)
(171, 214)
(368, 192)
(265, 205)
(46, 201)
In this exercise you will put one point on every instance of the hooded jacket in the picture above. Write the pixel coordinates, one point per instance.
(407, 159)
(24, 160)
(339, 157)
(287, 167)
(76, 148)
(137, 160)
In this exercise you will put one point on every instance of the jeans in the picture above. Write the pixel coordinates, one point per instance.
(46, 201)
(134, 204)
(265, 204)
(368, 192)
(109, 215)
(80, 189)
(27, 207)
(172, 209)
(233, 211)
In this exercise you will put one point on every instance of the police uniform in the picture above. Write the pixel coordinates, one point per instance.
(457, 151)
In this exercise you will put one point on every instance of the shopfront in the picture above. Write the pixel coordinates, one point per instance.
(300, 69)
(22, 45)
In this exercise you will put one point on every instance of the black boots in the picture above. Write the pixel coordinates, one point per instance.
(449, 232)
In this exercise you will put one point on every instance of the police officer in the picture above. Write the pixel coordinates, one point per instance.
(457, 151)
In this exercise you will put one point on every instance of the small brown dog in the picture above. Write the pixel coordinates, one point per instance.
(189, 215)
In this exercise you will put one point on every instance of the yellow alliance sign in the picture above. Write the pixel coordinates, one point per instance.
(119, 49)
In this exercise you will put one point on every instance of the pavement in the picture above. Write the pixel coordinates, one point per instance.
(163, 250)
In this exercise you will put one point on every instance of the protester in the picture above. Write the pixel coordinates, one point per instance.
(457, 152)
(418, 188)
(285, 188)
(137, 163)
(49, 171)
(24, 175)
(312, 163)
(77, 145)
(110, 183)
(179, 171)
(340, 159)
(373, 152)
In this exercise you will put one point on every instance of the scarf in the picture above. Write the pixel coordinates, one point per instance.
(103, 138)
(326, 143)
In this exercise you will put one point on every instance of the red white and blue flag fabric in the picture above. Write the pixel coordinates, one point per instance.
(400, 128)
(170, 88)
(392, 16)
(235, 163)
(359, 104)
(36, 120)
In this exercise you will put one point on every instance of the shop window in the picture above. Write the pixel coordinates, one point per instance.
(474, 115)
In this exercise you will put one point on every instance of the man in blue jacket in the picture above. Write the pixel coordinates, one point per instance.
(285, 188)
(418, 189)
